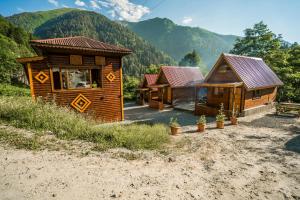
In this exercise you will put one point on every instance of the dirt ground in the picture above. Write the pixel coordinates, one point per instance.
(258, 159)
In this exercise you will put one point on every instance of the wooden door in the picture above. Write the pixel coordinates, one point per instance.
(169, 95)
(238, 99)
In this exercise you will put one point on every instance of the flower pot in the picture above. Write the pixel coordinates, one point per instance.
(175, 130)
(220, 124)
(234, 120)
(201, 127)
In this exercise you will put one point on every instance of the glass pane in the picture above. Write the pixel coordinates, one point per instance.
(64, 78)
(79, 78)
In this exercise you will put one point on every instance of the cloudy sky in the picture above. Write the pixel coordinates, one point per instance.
(221, 16)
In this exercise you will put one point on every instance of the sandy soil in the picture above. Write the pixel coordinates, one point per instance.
(257, 159)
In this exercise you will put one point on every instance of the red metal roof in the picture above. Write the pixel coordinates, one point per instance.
(150, 78)
(182, 76)
(81, 43)
(252, 71)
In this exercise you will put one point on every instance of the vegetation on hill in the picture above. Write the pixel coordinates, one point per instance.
(29, 21)
(261, 42)
(63, 23)
(13, 43)
(193, 59)
(178, 40)
(67, 124)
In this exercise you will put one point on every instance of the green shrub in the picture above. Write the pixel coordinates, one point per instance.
(10, 90)
(65, 123)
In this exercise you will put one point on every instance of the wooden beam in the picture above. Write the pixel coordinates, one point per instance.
(121, 89)
(222, 85)
(30, 59)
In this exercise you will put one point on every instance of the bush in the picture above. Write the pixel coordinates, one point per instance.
(67, 124)
(10, 90)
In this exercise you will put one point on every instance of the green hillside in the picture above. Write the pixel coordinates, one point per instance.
(14, 44)
(91, 24)
(178, 40)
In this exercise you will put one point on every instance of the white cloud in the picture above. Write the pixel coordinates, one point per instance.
(65, 6)
(124, 9)
(80, 3)
(94, 5)
(54, 2)
(187, 20)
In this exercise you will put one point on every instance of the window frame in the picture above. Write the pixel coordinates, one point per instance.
(66, 67)
(256, 94)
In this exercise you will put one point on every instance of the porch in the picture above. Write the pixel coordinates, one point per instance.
(209, 97)
(159, 95)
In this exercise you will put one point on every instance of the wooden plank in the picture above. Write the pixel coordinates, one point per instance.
(30, 80)
(30, 59)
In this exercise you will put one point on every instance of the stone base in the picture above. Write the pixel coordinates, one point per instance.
(257, 109)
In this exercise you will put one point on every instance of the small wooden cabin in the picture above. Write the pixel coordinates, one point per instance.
(144, 88)
(175, 85)
(79, 72)
(244, 84)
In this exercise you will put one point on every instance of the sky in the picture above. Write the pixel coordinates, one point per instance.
(229, 17)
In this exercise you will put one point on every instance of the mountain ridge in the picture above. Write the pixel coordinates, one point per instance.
(177, 40)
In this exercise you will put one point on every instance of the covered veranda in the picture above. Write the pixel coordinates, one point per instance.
(209, 97)
(157, 96)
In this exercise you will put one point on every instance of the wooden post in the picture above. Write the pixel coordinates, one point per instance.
(233, 98)
(122, 101)
(30, 80)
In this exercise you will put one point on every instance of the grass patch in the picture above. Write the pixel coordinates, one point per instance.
(65, 123)
(19, 141)
(10, 90)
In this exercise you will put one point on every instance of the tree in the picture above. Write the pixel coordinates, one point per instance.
(258, 41)
(152, 69)
(193, 59)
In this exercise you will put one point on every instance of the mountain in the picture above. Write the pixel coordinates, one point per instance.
(74, 22)
(178, 40)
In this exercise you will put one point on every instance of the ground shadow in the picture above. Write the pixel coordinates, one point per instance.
(293, 144)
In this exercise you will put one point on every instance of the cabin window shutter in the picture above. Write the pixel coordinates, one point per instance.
(75, 59)
(100, 60)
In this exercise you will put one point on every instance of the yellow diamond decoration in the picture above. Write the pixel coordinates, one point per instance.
(111, 77)
(41, 77)
(81, 103)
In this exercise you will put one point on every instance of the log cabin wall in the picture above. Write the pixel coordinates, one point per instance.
(223, 76)
(267, 96)
(106, 102)
(215, 100)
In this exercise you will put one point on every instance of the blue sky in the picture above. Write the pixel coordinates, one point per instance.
(221, 16)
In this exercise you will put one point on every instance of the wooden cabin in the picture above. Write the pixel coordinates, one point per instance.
(175, 85)
(144, 88)
(79, 72)
(244, 84)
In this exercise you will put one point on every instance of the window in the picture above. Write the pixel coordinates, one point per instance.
(77, 78)
(218, 92)
(256, 94)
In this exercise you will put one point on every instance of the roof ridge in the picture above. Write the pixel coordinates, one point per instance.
(242, 56)
(58, 38)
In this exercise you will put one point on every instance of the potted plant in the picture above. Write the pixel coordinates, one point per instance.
(220, 118)
(94, 85)
(234, 115)
(175, 126)
(201, 123)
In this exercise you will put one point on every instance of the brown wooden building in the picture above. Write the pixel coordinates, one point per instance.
(144, 88)
(245, 84)
(79, 72)
(175, 85)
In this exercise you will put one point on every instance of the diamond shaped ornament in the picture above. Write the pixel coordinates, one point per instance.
(110, 76)
(81, 103)
(41, 77)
